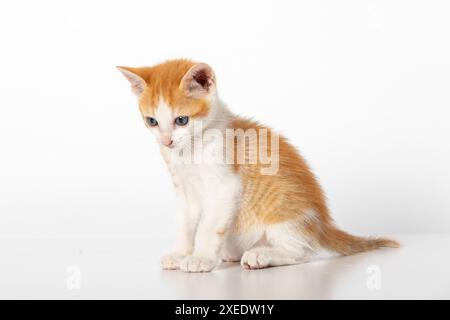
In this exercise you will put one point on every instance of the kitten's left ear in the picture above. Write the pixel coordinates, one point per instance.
(137, 82)
(199, 82)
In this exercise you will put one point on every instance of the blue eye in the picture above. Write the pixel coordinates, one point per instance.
(182, 121)
(151, 121)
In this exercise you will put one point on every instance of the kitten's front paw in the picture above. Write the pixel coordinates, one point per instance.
(172, 261)
(197, 263)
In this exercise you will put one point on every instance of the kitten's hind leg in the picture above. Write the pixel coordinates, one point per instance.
(263, 257)
(284, 245)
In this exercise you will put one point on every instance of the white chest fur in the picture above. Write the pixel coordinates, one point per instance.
(204, 183)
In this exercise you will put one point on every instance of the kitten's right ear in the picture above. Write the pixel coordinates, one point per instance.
(133, 75)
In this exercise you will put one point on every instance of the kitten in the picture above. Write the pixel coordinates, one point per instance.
(257, 202)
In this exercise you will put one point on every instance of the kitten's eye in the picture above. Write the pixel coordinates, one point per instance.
(151, 121)
(182, 121)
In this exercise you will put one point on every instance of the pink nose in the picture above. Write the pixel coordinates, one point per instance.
(167, 141)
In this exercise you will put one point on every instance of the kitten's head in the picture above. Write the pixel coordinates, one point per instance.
(172, 97)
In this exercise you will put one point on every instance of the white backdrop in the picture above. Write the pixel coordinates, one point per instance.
(361, 87)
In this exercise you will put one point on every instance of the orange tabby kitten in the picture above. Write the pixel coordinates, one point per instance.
(245, 193)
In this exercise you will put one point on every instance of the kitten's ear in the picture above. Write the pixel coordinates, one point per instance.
(133, 75)
(199, 82)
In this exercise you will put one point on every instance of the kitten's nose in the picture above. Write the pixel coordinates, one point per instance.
(167, 141)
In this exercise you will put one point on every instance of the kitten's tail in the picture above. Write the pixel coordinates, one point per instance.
(347, 244)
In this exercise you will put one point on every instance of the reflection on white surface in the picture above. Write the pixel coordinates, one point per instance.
(129, 269)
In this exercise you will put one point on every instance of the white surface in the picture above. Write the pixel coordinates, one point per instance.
(361, 87)
(129, 269)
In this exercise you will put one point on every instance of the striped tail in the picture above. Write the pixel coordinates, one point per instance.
(346, 244)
